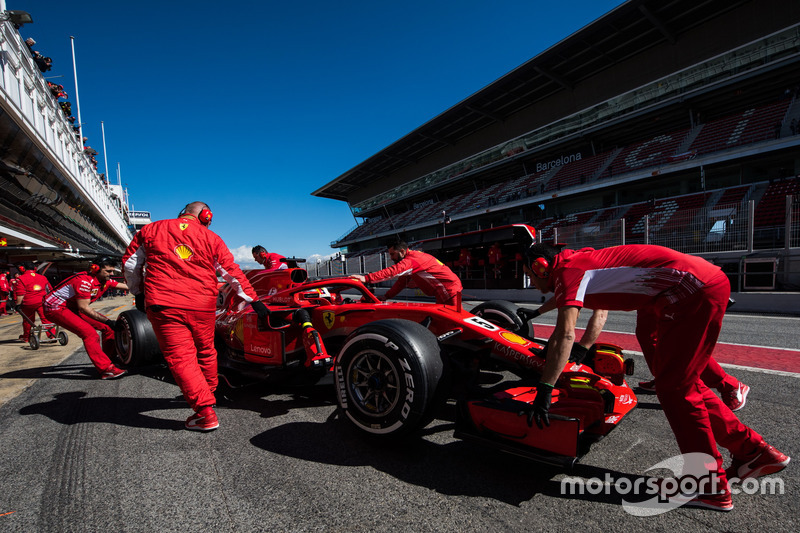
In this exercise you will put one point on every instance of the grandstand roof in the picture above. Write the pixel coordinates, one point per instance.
(629, 29)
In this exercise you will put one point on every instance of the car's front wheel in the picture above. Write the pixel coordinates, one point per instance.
(506, 315)
(135, 339)
(388, 375)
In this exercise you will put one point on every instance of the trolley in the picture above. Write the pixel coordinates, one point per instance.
(53, 333)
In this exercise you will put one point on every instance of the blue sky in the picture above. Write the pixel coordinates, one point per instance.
(250, 106)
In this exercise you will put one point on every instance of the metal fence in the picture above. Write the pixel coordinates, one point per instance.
(723, 228)
(794, 223)
(339, 266)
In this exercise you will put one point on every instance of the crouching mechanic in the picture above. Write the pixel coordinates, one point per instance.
(428, 274)
(270, 261)
(68, 306)
(680, 301)
(732, 391)
(171, 268)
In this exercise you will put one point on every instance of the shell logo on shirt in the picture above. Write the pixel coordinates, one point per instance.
(184, 251)
(37, 287)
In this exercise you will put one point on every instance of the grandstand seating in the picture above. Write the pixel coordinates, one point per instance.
(750, 126)
(663, 218)
(649, 153)
(734, 195)
(576, 173)
(771, 209)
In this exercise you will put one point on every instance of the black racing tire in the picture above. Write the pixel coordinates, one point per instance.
(389, 378)
(136, 341)
(33, 341)
(506, 315)
(63, 338)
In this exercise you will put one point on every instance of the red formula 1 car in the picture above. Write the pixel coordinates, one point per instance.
(395, 363)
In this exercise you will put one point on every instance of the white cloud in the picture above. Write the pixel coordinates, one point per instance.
(243, 256)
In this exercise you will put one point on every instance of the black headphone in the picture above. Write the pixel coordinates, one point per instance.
(204, 217)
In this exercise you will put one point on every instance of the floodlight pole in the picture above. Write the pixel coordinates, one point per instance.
(105, 153)
(77, 98)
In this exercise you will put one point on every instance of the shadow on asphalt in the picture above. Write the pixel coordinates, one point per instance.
(80, 371)
(75, 408)
(454, 468)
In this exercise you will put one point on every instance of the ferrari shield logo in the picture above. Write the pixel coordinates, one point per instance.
(329, 317)
(183, 226)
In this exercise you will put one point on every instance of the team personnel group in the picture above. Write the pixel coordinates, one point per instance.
(172, 268)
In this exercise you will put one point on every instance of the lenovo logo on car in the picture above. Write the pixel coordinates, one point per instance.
(264, 350)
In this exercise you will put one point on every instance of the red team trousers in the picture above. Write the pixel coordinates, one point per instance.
(186, 337)
(86, 328)
(31, 311)
(696, 415)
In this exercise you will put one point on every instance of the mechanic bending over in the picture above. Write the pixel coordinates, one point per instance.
(425, 271)
(68, 306)
(680, 301)
(179, 295)
(733, 392)
(270, 261)
(32, 287)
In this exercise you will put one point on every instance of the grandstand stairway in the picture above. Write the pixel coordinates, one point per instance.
(793, 113)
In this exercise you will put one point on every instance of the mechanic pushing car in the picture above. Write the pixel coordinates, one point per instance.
(733, 392)
(680, 301)
(270, 261)
(179, 293)
(427, 273)
(31, 290)
(68, 306)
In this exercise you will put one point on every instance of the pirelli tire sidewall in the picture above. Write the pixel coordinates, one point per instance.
(388, 374)
(135, 340)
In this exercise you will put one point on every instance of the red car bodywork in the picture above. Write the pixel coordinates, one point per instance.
(587, 402)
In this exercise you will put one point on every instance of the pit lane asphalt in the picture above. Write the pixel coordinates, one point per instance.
(81, 454)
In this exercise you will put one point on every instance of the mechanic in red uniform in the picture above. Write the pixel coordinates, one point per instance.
(733, 392)
(270, 261)
(68, 306)
(495, 257)
(427, 273)
(179, 292)
(31, 290)
(680, 300)
(5, 288)
(464, 262)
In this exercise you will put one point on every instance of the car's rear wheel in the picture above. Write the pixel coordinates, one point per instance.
(506, 315)
(388, 374)
(135, 339)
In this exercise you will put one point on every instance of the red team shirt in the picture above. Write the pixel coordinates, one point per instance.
(81, 286)
(273, 262)
(427, 272)
(183, 258)
(625, 278)
(32, 287)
